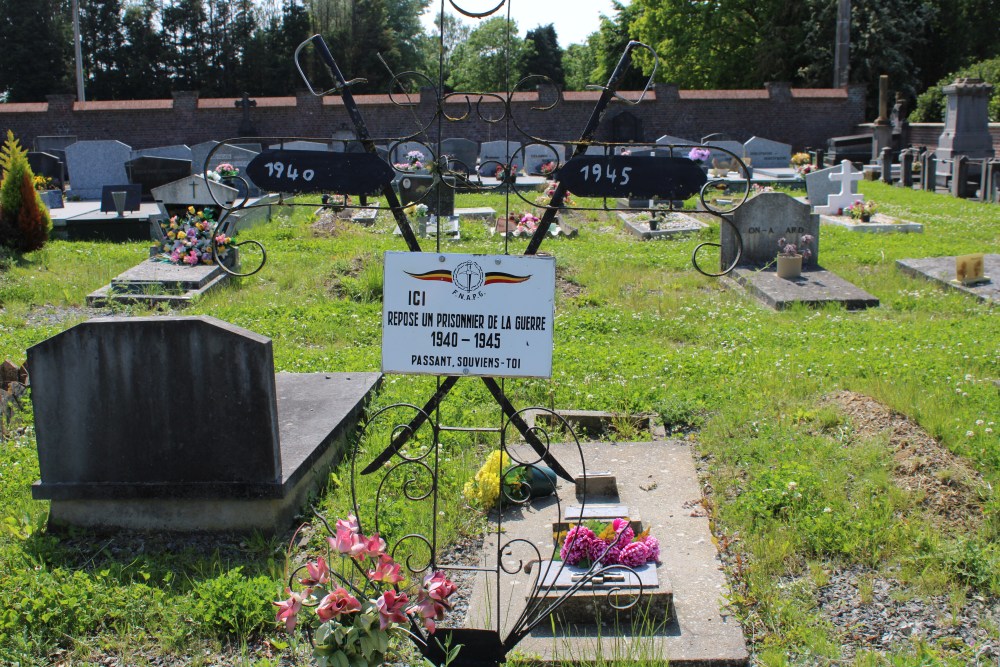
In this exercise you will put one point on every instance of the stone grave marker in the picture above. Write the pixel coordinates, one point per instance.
(399, 151)
(763, 152)
(761, 221)
(130, 202)
(819, 186)
(846, 179)
(596, 150)
(945, 272)
(175, 152)
(418, 188)
(299, 145)
(535, 155)
(152, 171)
(720, 160)
(496, 153)
(48, 165)
(463, 151)
(94, 164)
(668, 139)
(234, 155)
(191, 190)
(114, 451)
(56, 145)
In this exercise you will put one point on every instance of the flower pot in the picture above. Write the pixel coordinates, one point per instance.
(789, 267)
(866, 218)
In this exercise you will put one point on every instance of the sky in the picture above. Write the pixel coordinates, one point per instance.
(573, 19)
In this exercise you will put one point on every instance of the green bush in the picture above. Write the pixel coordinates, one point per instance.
(931, 104)
(234, 605)
(24, 221)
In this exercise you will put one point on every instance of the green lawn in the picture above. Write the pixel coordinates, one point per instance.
(798, 491)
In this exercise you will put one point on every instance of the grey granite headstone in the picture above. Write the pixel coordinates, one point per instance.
(152, 171)
(763, 152)
(761, 221)
(299, 145)
(819, 187)
(670, 139)
(231, 154)
(93, 164)
(176, 152)
(464, 151)
(418, 188)
(535, 155)
(48, 165)
(496, 153)
(192, 191)
(724, 160)
(128, 402)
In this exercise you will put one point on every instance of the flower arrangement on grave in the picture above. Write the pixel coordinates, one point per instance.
(699, 155)
(226, 170)
(547, 168)
(41, 183)
(188, 239)
(545, 198)
(799, 160)
(786, 249)
(502, 174)
(356, 609)
(418, 211)
(862, 210)
(336, 202)
(614, 543)
(414, 161)
(519, 482)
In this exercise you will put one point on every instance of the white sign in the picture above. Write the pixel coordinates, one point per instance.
(456, 314)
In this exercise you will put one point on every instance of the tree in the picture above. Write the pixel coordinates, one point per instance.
(35, 57)
(272, 63)
(404, 22)
(185, 24)
(579, 63)
(931, 103)
(105, 58)
(492, 59)
(439, 47)
(144, 74)
(547, 58)
(24, 220)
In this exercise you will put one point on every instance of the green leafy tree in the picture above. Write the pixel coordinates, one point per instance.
(35, 50)
(144, 76)
(579, 63)
(408, 33)
(492, 56)
(24, 221)
(931, 103)
(185, 30)
(439, 47)
(547, 56)
(105, 56)
(272, 63)
(609, 44)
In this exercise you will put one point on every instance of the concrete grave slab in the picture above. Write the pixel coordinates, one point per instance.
(496, 153)
(152, 282)
(880, 224)
(535, 155)
(817, 287)
(668, 225)
(942, 271)
(695, 630)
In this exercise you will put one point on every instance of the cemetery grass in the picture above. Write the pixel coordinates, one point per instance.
(802, 500)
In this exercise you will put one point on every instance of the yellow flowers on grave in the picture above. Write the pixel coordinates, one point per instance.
(484, 489)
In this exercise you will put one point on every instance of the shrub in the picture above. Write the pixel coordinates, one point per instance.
(24, 221)
(931, 103)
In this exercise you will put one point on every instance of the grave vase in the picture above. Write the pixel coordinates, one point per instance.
(789, 266)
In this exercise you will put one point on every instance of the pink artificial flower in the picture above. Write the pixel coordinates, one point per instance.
(623, 529)
(175, 257)
(368, 547)
(350, 524)
(337, 602)
(391, 607)
(318, 573)
(386, 570)
(348, 539)
(288, 610)
(653, 545)
(578, 545)
(439, 587)
(428, 610)
(191, 258)
(634, 554)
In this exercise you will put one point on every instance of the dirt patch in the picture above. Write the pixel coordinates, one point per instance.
(330, 223)
(950, 486)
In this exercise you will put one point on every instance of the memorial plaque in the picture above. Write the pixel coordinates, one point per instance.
(557, 575)
(460, 314)
(319, 171)
(595, 511)
(133, 197)
(636, 177)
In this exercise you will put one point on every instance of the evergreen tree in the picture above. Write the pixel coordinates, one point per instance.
(25, 222)
(144, 74)
(185, 24)
(35, 57)
(483, 62)
(103, 47)
(547, 57)
(612, 38)
(579, 63)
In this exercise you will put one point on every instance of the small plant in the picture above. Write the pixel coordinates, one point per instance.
(226, 170)
(188, 240)
(547, 168)
(24, 221)
(699, 155)
(359, 607)
(787, 249)
(615, 544)
(414, 161)
(799, 160)
(862, 210)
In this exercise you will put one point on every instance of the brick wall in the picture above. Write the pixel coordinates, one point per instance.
(800, 117)
(926, 134)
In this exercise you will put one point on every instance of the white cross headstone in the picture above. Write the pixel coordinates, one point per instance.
(848, 195)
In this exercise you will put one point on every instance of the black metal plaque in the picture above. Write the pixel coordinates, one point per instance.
(279, 170)
(637, 177)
